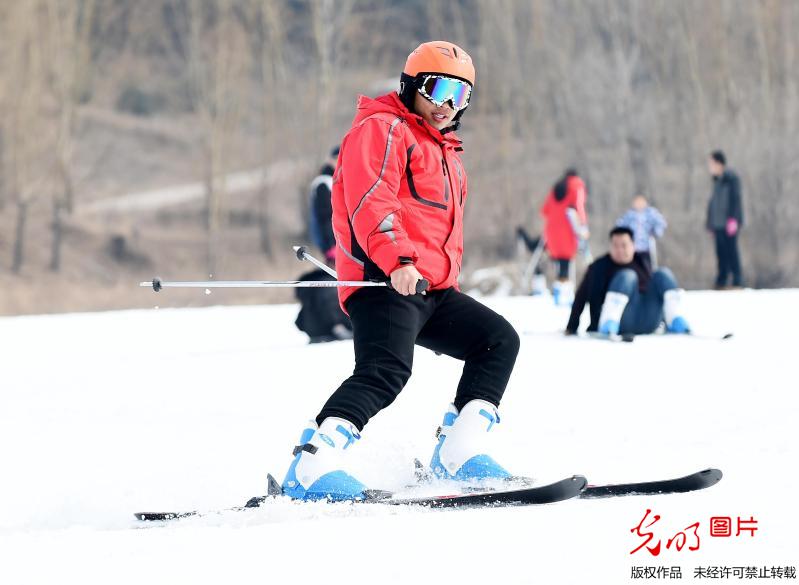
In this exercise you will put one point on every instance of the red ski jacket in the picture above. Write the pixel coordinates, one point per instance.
(398, 195)
(561, 241)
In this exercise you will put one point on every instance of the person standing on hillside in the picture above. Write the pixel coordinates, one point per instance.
(566, 225)
(399, 189)
(725, 219)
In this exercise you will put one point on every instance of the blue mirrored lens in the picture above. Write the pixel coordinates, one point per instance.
(442, 89)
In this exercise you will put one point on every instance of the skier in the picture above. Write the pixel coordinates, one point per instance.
(646, 222)
(565, 227)
(398, 194)
(320, 209)
(625, 296)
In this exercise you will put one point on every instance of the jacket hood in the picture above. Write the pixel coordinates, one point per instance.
(390, 103)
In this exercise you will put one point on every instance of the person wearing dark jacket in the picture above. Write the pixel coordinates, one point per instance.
(625, 296)
(321, 208)
(725, 219)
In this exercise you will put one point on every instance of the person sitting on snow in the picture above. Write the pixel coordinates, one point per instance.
(625, 296)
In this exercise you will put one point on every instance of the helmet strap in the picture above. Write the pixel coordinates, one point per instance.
(407, 91)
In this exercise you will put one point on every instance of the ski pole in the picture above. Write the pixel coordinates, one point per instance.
(529, 271)
(302, 254)
(157, 284)
(653, 251)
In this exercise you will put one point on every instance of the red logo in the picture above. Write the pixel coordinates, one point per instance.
(720, 526)
(746, 525)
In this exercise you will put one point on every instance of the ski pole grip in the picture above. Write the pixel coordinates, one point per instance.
(421, 285)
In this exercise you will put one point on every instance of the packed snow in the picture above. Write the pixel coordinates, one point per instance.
(105, 414)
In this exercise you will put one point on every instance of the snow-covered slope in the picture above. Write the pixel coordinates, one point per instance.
(105, 414)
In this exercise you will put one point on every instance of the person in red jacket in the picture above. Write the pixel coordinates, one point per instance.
(399, 190)
(566, 225)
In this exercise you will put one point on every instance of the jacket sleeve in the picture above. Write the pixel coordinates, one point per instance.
(578, 305)
(708, 224)
(579, 202)
(735, 207)
(659, 223)
(373, 164)
(546, 206)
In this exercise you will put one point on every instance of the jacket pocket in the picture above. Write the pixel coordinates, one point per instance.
(412, 186)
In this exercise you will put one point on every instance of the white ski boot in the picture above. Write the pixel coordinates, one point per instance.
(612, 310)
(673, 313)
(317, 471)
(463, 444)
(563, 293)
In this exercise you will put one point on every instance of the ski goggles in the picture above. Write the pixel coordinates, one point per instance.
(440, 90)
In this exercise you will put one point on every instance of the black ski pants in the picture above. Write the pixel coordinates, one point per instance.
(728, 258)
(386, 325)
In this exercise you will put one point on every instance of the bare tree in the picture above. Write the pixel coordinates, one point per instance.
(269, 41)
(217, 63)
(26, 142)
(69, 24)
(329, 20)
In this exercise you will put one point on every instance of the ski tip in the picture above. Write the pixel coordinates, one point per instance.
(712, 475)
(580, 481)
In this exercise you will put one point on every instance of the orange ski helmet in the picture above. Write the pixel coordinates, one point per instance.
(436, 58)
(440, 57)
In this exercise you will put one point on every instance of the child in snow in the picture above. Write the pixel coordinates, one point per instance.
(647, 223)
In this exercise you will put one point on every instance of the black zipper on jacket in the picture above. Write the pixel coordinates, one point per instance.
(445, 167)
(446, 179)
